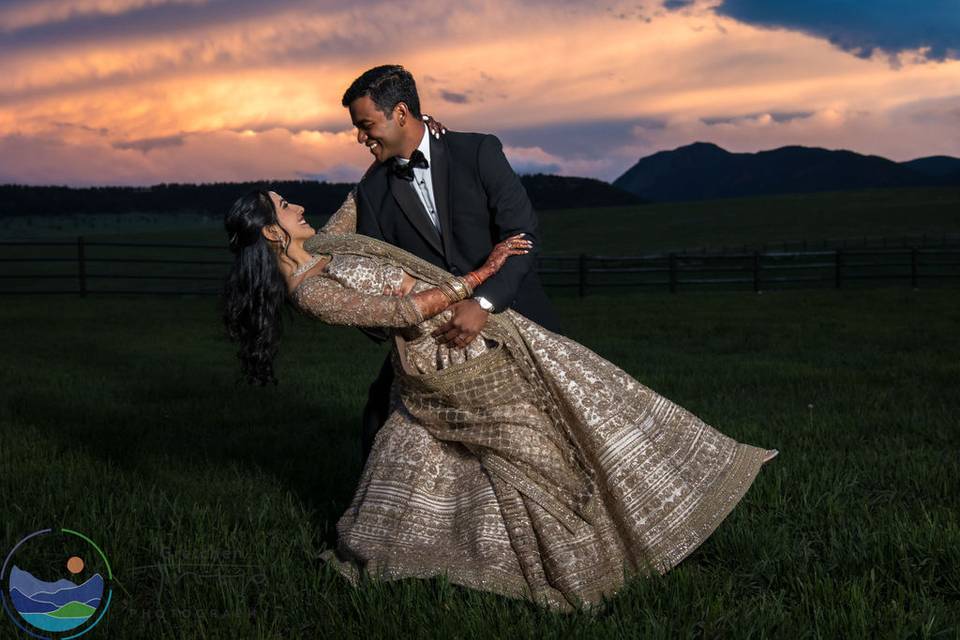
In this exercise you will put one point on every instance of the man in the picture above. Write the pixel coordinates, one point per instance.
(447, 200)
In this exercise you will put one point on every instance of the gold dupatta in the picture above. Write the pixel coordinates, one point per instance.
(494, 377)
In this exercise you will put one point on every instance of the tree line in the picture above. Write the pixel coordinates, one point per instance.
(319, 198)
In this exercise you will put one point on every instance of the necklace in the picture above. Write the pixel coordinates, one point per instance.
(306, 265)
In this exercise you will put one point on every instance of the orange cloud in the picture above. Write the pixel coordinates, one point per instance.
(500, 67)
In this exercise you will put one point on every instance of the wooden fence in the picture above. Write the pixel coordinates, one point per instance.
(77, 268)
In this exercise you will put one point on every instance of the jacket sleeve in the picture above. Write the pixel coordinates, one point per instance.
(332, 303)
(512, 213)
(367, 223)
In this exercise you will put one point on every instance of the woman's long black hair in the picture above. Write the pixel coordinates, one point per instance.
(254, 292)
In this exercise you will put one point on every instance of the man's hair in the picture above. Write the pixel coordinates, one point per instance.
(387, 85)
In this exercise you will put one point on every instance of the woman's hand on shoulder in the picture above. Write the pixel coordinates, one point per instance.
(436, 127)
(513, 246)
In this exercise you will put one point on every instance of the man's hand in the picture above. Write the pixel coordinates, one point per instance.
(467, 322)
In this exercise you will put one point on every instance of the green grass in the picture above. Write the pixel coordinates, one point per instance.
(612, 230)
(119, 418)
(733, 222)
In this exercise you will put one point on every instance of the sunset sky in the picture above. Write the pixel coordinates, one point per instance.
(123, 92)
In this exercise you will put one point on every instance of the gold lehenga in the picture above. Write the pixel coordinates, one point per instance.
(524, 464)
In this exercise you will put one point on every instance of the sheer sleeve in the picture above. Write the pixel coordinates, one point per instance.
(333, 303)
(344, 219)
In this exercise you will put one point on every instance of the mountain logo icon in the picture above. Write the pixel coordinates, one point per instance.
(56, 583)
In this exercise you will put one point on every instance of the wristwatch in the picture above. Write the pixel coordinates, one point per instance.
(485, 304)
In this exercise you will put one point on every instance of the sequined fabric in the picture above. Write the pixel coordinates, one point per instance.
(528, 466)
(350, 291)
(344, 219)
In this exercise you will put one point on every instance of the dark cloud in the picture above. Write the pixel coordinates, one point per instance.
(100, 131)
(677, 4)
(861, 27)
(149, 144)
(147, 20)
(587, 139)
(778, 116)
(787, 116)
(455, 98)
(526, 167)
(201, 51)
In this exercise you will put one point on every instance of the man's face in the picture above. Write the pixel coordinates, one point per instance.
(382, 136)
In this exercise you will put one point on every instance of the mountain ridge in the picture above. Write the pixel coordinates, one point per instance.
(704, 170)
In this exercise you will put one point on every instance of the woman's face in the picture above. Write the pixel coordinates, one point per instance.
(291, 218)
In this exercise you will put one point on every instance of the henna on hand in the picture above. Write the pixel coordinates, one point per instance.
(430, 302)
(434, 300)
(512, 246)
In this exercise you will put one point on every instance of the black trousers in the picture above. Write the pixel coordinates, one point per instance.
(375, 412)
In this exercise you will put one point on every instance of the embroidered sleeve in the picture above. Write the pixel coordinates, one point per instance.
(332, 303)
(344, 219)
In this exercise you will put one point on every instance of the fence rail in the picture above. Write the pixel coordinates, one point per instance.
(672, 271)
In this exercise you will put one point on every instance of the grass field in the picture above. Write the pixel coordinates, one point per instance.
(610, 230)
(119, 417)
(615, 231)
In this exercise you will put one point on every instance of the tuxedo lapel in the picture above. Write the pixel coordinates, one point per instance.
(411, 206)
(440, 175)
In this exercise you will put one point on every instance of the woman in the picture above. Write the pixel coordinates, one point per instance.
(522, 464)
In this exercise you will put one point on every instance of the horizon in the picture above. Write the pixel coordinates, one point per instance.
(533, 173)
(145, 92)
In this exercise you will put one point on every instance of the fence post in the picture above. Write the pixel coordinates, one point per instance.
(838, 262)
(81, 267)
(756, 271)
(673, 272)
(913, 267)
(583, 274)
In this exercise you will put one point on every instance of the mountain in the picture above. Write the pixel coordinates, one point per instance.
(57, 593)
(936, 166)
(37, 594)
(703, 170)
(29, 585)
(562, 192)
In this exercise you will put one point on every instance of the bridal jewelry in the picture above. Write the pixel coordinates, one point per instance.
(460, 287)
(456, 289)
(448, 291)
(306, 265)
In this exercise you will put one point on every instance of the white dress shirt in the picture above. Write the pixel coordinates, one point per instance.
(423, 181)
(423, 184)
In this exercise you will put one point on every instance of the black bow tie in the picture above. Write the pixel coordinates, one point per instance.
(405, 171)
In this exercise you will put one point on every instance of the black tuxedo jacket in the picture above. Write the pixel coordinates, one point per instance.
(480, 201)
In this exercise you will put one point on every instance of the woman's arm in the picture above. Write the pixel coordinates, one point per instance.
(344, 219)
(333, 303)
